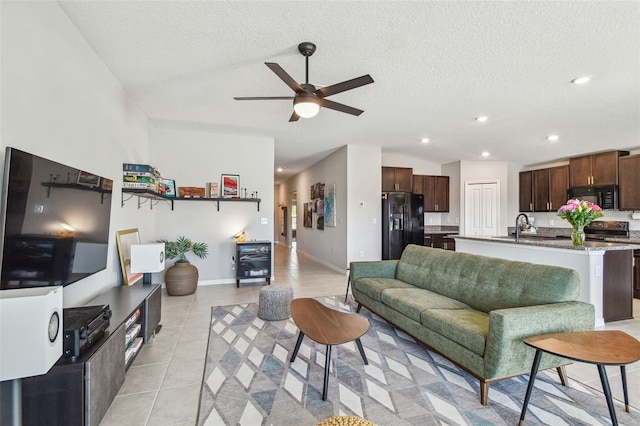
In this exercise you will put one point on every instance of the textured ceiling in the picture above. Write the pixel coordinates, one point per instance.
(436, 66)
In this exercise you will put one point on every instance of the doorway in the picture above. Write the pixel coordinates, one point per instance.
(294, 221)
(481, 201)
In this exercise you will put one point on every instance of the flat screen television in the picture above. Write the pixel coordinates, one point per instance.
(55, 222)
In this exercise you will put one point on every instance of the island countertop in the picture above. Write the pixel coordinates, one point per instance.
(605, 267)
(561, 243)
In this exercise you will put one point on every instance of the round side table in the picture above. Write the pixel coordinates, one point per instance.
(606, 347)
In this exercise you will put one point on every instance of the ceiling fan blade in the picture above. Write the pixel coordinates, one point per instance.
(326, 103)
(289, 81)
(294, 117)
(344, 86)
(263, 98)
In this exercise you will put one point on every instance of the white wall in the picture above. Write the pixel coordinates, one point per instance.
(59, 101)
(419, 165)
(194, 158)
(364, 213)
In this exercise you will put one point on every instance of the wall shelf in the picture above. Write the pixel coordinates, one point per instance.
(145, 195)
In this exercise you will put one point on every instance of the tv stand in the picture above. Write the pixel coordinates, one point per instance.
(80, 392)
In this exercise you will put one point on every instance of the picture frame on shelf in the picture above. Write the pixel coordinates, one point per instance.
(170, 184)
(124, 240)
(230, 185)
(88, 179)
(107, 184)
(214, 190)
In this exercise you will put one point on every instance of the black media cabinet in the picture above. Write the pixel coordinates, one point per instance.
(80, 392)
(253, 260)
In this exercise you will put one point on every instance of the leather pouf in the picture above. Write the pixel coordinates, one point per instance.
(181, 279)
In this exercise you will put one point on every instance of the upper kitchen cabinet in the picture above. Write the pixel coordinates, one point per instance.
(595, 169)
(435, 190)
(629, 191)
(397, 179)
(550, 188)
(418, 184)
(526, 191)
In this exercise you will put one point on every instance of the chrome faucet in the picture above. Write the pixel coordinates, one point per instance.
(526, 219)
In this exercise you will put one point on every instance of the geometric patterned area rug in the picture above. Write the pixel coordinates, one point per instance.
(248, 381)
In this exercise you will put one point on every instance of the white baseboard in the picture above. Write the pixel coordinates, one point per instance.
(324, 263)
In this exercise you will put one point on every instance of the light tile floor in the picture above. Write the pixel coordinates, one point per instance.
(162, 387)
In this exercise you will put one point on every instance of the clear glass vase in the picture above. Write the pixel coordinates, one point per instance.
(577, 235)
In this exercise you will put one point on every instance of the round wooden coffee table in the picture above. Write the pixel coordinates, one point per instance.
(328, 327)
(606, 347)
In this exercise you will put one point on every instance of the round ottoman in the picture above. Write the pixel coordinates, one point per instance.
(275, 302)
(345, 421)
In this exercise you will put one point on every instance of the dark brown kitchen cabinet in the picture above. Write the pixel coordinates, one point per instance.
(441, 191)
(595, 169)
(629, 190)
(418, 184)
(636, 274)
(435, 190)
(441, 241)
(526, 191)
(550, 188)
(617, 285)
(397, 179)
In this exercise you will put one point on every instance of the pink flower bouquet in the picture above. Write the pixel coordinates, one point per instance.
(580, 213)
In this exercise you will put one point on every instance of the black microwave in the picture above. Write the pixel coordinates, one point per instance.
(605, 196)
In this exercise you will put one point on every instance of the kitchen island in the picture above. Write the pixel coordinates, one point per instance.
(605, 267)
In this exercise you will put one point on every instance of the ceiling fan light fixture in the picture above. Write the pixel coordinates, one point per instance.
(306, 106)
(581, 80)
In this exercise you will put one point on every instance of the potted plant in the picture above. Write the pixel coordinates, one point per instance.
(182, 277)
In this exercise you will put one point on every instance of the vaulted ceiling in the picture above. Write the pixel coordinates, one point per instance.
(437, 65)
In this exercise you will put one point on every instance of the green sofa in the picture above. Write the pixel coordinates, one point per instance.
(474, 310)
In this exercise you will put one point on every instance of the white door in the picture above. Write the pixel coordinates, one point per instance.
(481, 209)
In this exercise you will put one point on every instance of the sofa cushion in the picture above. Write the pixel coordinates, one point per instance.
(466, 327)
(412, 301)
(373, 287)
(486, 283)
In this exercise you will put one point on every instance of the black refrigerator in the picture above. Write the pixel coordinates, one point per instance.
(402, 222)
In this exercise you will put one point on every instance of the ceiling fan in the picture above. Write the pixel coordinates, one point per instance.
(308, 100)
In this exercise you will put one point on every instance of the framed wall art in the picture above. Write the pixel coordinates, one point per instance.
(330, 205)
(230, 186)
(124, 240)
(170, 184)
(320, 214)
(308, 215)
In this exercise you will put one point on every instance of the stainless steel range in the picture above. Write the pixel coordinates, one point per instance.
(602, 229)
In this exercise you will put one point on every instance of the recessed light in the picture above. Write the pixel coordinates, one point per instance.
(482, 118)
(553, 138)
(424, 140)
(581, 80)
(280, 169)
(485, 153)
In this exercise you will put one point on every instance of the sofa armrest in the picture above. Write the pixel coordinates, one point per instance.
(373, 269)
(506, 354)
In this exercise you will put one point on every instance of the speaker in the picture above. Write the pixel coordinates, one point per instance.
(30, 331)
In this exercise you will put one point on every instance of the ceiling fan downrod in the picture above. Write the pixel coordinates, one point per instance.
(306, 49)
